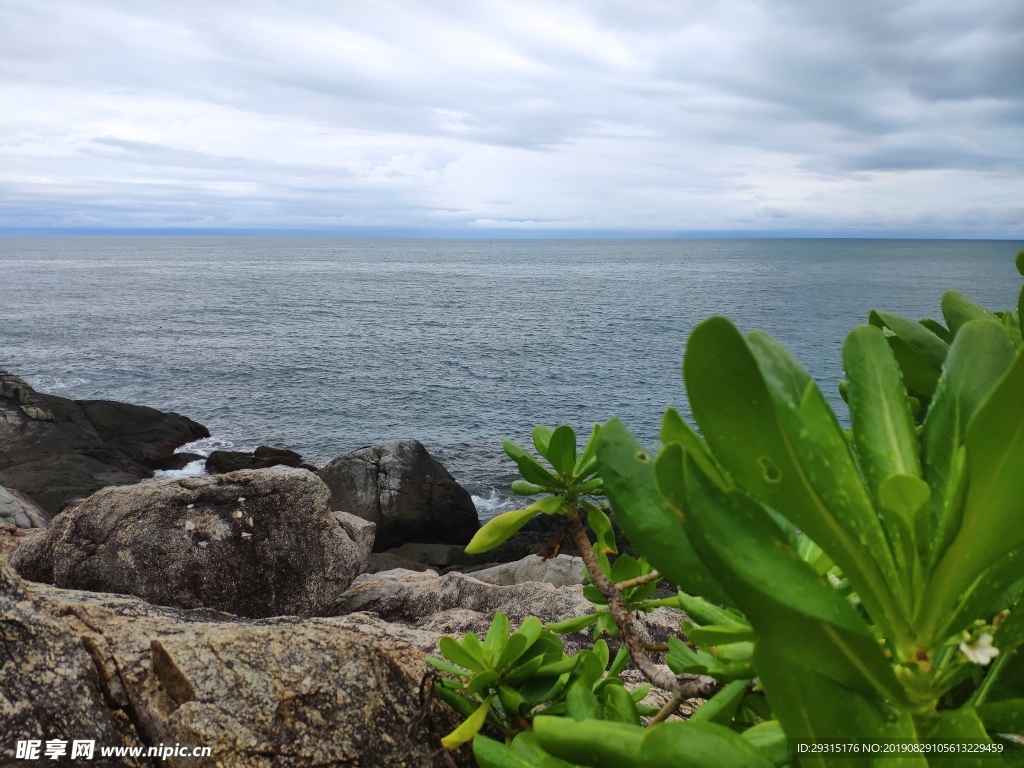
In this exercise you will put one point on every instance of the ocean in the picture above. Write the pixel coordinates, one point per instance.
(324, 345)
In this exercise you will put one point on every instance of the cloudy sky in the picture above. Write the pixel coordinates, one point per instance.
(497, 117)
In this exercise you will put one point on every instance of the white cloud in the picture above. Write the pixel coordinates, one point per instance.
(661, 116)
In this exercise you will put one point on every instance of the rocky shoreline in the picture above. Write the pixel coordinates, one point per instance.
(277, 613)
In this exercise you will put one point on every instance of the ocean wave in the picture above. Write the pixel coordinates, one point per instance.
(495, 502)
(204, 446)
(195, 468)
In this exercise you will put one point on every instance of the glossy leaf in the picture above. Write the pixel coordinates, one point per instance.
(500, 529)
(781, 596)
(493, 754)
(497, 635)
(589, 452)
(721, 707)
(959, 310)
(581, 703)
(459, 655)
(542, 438)
(781, 443)
(523, 488)
(916, 336)
(675, 744)
(619, 706)
(675, 430)
(979, 356)
(1005, 716)
(602, 528)
(883, 428)
(628, 472)
(992, 508)
(562, 450)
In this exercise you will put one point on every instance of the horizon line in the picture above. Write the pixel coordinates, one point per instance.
(504, 234)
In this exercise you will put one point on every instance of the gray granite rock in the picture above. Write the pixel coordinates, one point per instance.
(405, 491)
(254, 543)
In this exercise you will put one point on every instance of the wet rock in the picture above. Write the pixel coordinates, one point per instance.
(181, 460)
(263, 457)
(53, 449)
(254, 543)
(20, 511)
(404, 490)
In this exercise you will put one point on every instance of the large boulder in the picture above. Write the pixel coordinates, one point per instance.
(19, 511)
(53, 449)
(405, 491)
(273, 693)
(254, 543)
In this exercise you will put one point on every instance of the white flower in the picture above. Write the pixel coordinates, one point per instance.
(981, 651)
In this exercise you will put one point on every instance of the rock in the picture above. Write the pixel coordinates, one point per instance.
(50, 686)
(263, 457)
(19, 511)
(143, 434)
(405, 491)
(387, 561)
(275, 693)
(254, 543)
(53, 449)
(439, 555)
(559, 571)
(456, 603)
(181, 460)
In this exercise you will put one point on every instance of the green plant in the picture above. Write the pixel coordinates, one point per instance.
(892, 633)
(508, 679)
(842, 584)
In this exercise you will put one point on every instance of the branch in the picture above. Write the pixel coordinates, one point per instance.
(647, 578)
(659, 676)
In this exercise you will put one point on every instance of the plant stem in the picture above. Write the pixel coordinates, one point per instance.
(647, 578)
(659, 676)
(671, 706)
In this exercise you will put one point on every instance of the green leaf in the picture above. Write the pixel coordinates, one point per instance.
(497, 635)
(628, 472)
(960, 725)
(562, 450)
(541, 439)
(784, 599)
(533, 472)
(920, 376)
(447, 666)
(526, 745)
(721, 707)
(675, 430)
(500, 529)
(493, 754)
(459, 655)
(916, 336)
(982, 600)
(469, 728)
(456, 701)
(720, 634)
(481, 682)
(573, 625)
(937, 328)
(589, 452)
(769, 738)
(602, 526)
(1003, 716)
(991, 517)
(959, 310)
(581, 703)
(883, 429)
(703, 612)
(619, 706)
(979, 356)
(1020, 261)
(523, 488)
(771, 429)
(810, 705)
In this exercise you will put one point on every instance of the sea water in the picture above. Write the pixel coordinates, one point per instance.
(326, 345)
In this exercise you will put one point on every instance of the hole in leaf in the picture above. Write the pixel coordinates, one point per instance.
(772, 474)
(642, 455)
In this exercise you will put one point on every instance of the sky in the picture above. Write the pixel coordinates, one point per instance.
(491, 118)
